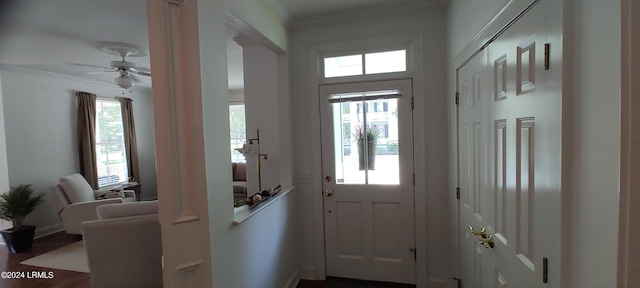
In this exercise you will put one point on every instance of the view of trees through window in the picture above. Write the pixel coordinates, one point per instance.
(110, 150)
(238, 131)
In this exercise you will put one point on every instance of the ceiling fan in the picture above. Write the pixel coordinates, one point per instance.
(127, 70)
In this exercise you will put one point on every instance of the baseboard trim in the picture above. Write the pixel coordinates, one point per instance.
(308, 273)
(48, 230)
(293, 280)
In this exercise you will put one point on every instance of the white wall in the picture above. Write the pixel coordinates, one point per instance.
(4, 173)
(260, 252)
(40, 129)
(591, 143)
(432, 195)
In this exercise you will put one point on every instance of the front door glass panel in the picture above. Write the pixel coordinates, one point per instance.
(365, 127)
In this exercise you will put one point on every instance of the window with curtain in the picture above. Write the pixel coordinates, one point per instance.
(111, 157)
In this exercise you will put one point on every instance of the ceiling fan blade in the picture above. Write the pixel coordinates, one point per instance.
(141, 71)
(99, 72)
(92, 66)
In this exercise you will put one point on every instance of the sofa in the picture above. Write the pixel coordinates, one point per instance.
(239, 172)
(124, 247)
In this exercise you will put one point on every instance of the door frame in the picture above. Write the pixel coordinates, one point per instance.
(414, 44)
(629, 249)
(406, 188)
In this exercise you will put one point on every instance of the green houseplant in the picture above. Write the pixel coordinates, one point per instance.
(368, 135)
(15, 205)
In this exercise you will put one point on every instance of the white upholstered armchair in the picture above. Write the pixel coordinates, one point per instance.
(124, 247)
(76, 202)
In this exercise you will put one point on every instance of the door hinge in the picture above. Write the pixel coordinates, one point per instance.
(547, 51)
(412, 103)
(457, 192)
(545, 270)
(414, 178)
(459, 282)
(457, 98)
(415, 256)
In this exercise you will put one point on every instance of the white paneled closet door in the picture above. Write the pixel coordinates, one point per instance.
(509, 155)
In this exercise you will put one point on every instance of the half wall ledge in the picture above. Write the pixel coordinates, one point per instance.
(243, 213)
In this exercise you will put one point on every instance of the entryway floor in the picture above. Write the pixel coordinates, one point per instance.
(332, 282)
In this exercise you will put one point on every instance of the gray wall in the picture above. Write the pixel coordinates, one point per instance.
(40, 129)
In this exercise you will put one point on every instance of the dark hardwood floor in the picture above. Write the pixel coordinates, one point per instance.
(349, 283)
(10, 262)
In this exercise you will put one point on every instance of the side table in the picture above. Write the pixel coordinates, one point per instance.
(135, 186)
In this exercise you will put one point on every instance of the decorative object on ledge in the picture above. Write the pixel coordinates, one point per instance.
(252, 149)
(244, 212)
(257, 198)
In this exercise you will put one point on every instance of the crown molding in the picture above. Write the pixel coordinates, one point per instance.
(305, 22)
(245, 41)
(250, 33)
(280, 11)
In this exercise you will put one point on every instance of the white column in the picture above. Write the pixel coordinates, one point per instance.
(191, 123)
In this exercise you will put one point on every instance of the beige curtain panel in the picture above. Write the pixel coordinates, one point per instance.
(87, 137)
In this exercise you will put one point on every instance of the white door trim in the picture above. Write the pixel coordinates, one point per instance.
(415, 41)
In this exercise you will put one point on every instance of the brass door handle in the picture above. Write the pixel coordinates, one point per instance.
(328, 192)
(487, 242)
(482, 233)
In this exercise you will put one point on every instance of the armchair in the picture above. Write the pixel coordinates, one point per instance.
(76, 202)
(124, 247)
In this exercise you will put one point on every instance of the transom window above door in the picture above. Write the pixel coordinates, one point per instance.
(365, 63)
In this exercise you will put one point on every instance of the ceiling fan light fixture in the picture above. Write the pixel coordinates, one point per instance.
(124, 82)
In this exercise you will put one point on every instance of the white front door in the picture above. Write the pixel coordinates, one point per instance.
(367, 160)
(509, 149)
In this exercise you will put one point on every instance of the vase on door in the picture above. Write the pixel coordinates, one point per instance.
(370, 155)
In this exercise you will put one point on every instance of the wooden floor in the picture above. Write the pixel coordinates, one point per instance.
(348, 283)
(10, 262)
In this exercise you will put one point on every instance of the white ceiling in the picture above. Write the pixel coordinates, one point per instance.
(54, 35)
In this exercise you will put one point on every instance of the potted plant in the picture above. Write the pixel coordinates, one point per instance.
(368, 135)
(15, 205)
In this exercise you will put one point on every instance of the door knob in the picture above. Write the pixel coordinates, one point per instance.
(482, 233)
(487, 242)
(328, 192)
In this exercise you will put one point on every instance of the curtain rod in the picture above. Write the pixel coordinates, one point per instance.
(103, 97)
